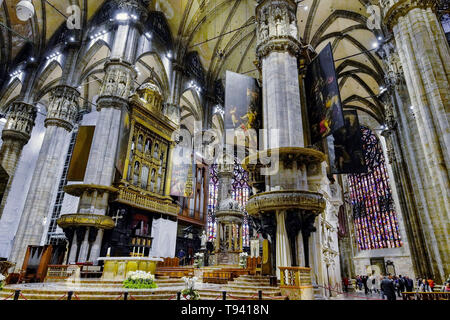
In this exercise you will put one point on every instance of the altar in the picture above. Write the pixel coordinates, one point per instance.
(117, 268)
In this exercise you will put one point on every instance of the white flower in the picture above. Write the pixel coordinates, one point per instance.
(141, 275)
(2, 277)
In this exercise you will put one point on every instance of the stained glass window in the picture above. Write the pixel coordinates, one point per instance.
(374, 215)
(241, 192)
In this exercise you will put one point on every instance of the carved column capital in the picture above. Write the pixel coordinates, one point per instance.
(63, 108)
(388, 135)
(20, 121)
(117, 84)
(136, 8)
(277, 28)
(172, 111)
(402, 7)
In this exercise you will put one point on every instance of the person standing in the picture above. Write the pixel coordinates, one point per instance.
(387, 286)
(431, 284)
(359, 282)
(345, 282)
(446, 287)
(181, 256)
(419, 282)
(382, 295)
(401, 285)
(372, 281)
(364, 281)
(409, 284)
(424, 286)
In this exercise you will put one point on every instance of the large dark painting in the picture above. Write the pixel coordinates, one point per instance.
(322, 93)
(348, 150)
(243, 107)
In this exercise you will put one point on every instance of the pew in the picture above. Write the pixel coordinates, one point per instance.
(35, 264)
(218, 277)
(426, 295)
(254, 265)
(169, 262)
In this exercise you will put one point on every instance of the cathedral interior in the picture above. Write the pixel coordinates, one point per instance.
(115, 155)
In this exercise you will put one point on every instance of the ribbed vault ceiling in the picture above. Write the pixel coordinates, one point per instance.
(223, 33)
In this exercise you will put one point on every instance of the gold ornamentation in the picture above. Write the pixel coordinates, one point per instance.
(284, 200)
(78, 190)
(147, 202)
(85, 220)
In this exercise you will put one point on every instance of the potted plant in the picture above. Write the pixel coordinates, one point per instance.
(198, 259)
(189, 293)
(243, 260)
(140, 280)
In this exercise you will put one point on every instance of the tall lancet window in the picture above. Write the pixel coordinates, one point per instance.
(374, 215)
(240, 192)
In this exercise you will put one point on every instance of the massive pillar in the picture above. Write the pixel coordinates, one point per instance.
(15, 135)
(61, 114)
(112, 105)
(424, 54)
(20, 117)
(287, 197)
(172, 108)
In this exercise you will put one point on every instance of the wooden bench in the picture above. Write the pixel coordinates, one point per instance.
(169, 262)
(174, 272)
(426, 295)
(91, 271)
(219, 277)
(254, 265)
(236, 272)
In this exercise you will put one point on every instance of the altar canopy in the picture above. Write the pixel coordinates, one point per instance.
(164, 233)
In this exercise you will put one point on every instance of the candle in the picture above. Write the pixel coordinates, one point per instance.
(109, 252)
(133, 251)
(139, 250)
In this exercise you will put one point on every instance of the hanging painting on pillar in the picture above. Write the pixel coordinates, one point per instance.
(323, 97)
(124, 136)
(345, 147)
(242, 110)
(182, 168)
(80, 154)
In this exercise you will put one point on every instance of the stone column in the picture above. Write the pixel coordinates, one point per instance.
(424, 55)
(172, 107)
(73, 250)
(84, 247)
(277, 52)
(61, 115)
(283, 253)
(117, 85)
(15, 135)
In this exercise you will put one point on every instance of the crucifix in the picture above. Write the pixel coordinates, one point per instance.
(118, 216)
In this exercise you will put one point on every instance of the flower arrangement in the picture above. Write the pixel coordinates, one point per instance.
(140, 280)
(243, 259)
(189, 293)
(2, 279)
(198, 259)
